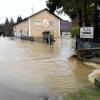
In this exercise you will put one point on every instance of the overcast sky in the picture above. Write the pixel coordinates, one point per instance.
(13, 8)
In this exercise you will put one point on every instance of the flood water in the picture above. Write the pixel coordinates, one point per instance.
(34, 71)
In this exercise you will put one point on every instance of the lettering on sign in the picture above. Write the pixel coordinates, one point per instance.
(86, 32)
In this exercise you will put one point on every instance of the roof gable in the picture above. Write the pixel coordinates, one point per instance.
(47, 11)
(38, 13)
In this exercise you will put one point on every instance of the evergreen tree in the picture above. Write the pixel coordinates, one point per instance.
(11, 27)
(1, 29)
(19, 19)
(6, 27)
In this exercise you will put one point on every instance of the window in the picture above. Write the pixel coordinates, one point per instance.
(51, 23)
(38, 30)
(38, 22)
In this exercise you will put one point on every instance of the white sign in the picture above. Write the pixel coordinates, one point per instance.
(86, 32)
(45, 23)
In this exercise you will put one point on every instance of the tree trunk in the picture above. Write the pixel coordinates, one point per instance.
(80, 17)
(85, 13)
(96, 35)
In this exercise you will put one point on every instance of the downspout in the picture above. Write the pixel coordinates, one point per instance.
(29, 26)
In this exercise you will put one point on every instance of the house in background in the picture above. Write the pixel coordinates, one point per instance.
(35, 25)
(65, 27)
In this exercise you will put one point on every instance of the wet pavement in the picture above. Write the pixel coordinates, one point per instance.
(37, 71)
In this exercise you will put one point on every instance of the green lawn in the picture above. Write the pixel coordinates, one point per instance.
(85, 94)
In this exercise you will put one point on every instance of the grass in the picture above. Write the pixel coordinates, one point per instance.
(84, 94)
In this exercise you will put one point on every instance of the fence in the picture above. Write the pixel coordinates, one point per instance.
(47, 40)
(86, 48)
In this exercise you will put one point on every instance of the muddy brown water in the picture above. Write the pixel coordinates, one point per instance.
(34, 71)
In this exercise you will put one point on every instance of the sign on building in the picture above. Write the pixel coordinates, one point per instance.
(86, 32)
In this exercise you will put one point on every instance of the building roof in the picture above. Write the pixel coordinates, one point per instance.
(66, 26)
(38, 13)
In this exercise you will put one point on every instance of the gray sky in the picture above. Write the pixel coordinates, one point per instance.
(13, 8)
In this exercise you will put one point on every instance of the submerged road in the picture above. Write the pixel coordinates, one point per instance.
(37, 71)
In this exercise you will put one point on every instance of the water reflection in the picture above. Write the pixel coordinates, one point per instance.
(39, 70)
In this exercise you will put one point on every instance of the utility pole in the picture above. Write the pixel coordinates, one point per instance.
(32, 10)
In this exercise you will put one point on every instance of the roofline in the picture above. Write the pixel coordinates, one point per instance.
(21, 21)
(46, 10)
(38, 13)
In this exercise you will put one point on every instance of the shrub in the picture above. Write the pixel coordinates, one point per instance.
(75, 31)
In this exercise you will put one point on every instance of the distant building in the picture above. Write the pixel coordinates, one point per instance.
(36, 24)
(65, 27)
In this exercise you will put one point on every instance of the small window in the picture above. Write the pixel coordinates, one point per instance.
(52, 23)
(38, 30)
(38, 22)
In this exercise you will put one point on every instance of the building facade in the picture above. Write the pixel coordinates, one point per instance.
(36, 24)
(65, 27)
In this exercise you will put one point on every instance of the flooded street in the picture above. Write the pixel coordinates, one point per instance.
(33, 71)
